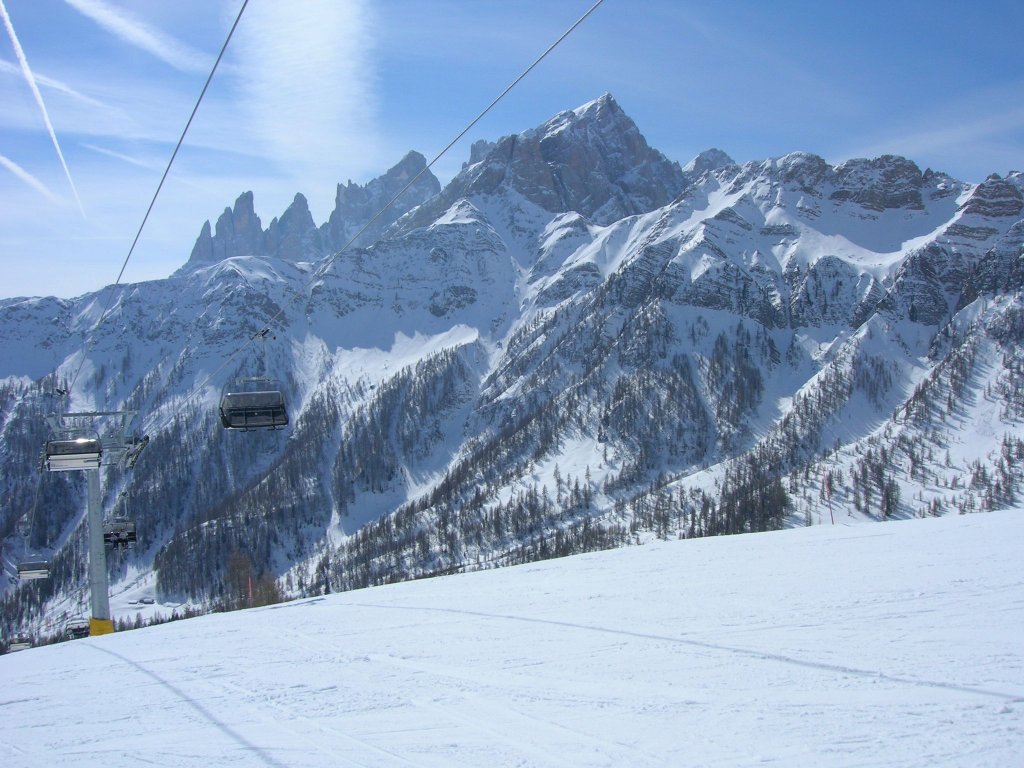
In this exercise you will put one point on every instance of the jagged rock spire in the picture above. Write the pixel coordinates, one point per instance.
(294, 236)
(238, 233)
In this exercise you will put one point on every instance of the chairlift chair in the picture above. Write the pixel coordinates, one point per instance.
(33, 569)
(68, 454)
(255, 403)
(119, 532)
(76, 629)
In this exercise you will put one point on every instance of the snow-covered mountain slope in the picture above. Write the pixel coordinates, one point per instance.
(895, 645)
(576, 344)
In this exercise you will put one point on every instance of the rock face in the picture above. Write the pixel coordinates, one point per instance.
(1001, 271)
(997, 197)
(355, 206)
(238, 233)
(880, 184)
(294, 237)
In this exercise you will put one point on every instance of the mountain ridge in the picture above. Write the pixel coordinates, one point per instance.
(575, 344)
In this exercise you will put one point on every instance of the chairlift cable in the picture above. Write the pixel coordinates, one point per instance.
(110, 299)
(326, 266)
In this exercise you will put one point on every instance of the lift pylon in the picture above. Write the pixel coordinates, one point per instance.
(114, 446)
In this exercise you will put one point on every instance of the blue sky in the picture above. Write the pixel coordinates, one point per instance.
(316, 92)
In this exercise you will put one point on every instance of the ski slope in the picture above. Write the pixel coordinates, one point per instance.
(889, 644)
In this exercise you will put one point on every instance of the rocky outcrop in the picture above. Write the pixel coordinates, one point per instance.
(880, 184)
(356, 206)
(1001, 270)
(294, 237)
(238, 233)
(997, 197)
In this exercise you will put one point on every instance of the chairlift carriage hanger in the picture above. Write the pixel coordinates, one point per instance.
(67, 454)
(255, 402)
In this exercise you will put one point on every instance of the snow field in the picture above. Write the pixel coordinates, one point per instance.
(891, 645)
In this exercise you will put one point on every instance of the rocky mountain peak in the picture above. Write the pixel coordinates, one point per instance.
(238, 233)
(592, 160)
(602, 111)
(884, 182)
(876, 184)
(803, 169)
(478, 151)
(996, 196)
(709, 160)
(294, 236)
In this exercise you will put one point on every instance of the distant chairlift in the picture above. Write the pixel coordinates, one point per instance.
(254, 403)
(68, 454)
(76, 629)
(119, 532)
(33, 569)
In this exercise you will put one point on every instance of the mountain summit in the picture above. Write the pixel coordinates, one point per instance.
(591, 160)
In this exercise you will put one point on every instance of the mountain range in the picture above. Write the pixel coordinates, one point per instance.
(577, 343)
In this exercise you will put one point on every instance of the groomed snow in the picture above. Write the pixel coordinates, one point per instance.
(892, 644)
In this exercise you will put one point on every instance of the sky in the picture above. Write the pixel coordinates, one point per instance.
(879, 645)
(311, 93)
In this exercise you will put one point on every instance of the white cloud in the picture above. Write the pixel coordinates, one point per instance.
(308, 86)
(28, 178)
(137, 33)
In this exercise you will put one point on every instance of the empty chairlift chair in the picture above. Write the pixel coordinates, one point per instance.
(76, 629)
(253, 404)
(68, 454)
(33, 569)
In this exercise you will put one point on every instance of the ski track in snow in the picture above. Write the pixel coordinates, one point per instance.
(825, 647)
(725, 648)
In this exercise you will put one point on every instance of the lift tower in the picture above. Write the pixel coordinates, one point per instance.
(77, 446)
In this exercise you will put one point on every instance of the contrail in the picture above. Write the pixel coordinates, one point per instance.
(30, 79)
(134, 32)
(56, 85)
(28, 178)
